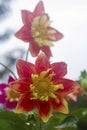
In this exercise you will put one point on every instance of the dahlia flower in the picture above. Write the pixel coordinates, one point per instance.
(8, 96)
(42, 87)
(37, 31)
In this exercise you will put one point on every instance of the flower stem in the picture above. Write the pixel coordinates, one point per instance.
(8, 70)
(27, 55)
(40, 126)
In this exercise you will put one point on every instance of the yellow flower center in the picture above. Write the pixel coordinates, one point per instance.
(42, 87)
(40, 31)
(12, 95)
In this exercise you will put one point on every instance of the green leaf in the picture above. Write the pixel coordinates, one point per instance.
(70, 121)
(54, 121)
(11, 121)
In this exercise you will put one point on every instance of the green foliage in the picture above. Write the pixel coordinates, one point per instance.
(77, 120)
(11, 121)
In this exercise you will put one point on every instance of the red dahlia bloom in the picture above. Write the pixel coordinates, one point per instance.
(42, 86)
(37, 30)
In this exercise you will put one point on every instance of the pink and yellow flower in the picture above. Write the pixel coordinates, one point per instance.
(8, 96)
(37, 31)
(42, 87)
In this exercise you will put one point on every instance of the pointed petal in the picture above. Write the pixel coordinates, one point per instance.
(11, 79)
(59, 68)
(68, 84)
(39, 9)
(74, 95)
(60, 105)
(23, 34)
(20, 86)
(34, 48)
(55, 36)
(27, 17)
(25, 104)
(44, 110)
(47, 51)
(42, 63)
(25, 69)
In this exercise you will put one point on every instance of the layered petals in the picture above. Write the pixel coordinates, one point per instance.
(69, 86)
(60, 105)
(20, 85)
(25, 104)
(43, 87)
(37, 31)
(8, 97)
(25, 69)
(76, 91)
(42, 63)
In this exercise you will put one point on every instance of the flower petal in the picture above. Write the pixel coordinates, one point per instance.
(68, 84)
(20, 86)
(25, 104)
(34, 48)
(25, 69)
(3, 86)
(59, 68)
(60, 105)
(76, 91)
(47, 51)
(23, 34)
(10, 105)
(44, 110)
(42, 63)
(10, 79)
(27, 17)
(55, 36)
(39, 9)
(2, 98)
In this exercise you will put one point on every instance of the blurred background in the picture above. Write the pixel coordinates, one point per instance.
(68, 16)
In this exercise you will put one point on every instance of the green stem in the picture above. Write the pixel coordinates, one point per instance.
(8, 69)
(40, 126)
(27, 55)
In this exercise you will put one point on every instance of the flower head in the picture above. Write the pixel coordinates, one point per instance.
(8, 96)
(37, 30)
(42, 86)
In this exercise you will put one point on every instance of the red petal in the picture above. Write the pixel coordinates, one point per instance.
(23, 34)
(47, 51)
(20, 86)
(59, 68)
(27, 17)
(69, 86)
(60, 105)
(25, 104)
(57, 35)
(11, 79)
(39, 9)
(25, 69)
(74, 95)
(42, 63)
(34, 48)
(44, 110)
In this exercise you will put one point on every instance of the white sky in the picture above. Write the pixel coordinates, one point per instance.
(70, 18)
